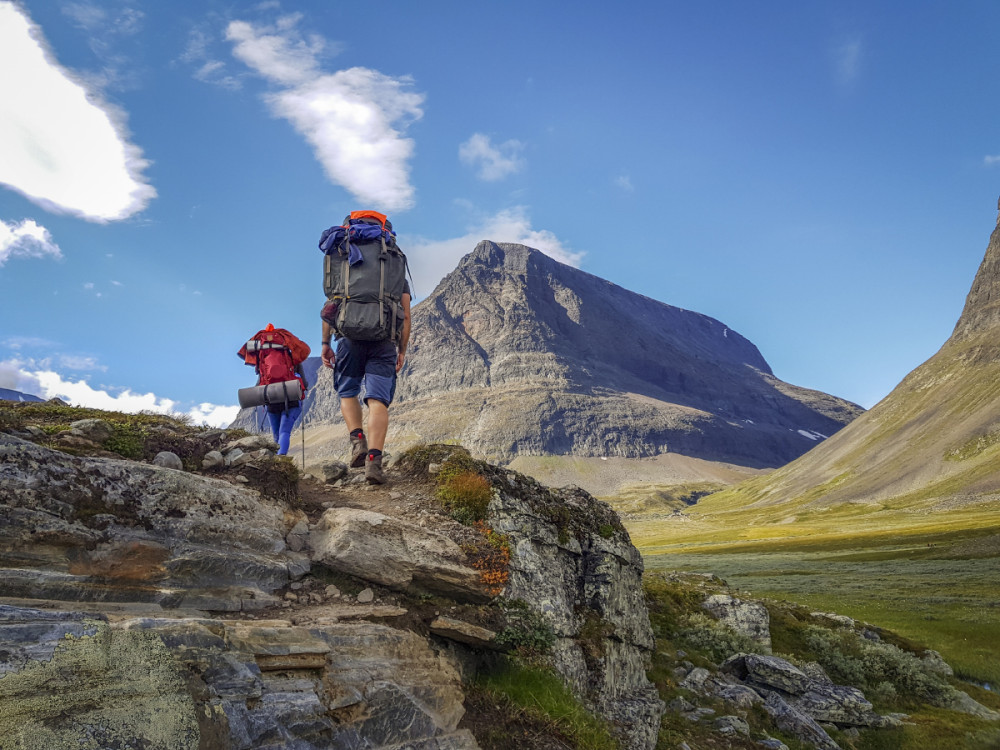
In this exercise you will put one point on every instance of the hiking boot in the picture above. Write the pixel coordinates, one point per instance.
(373, 470)
(359, 449)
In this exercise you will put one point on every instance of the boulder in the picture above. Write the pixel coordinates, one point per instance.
(251, 443)
(333, 470)
(394, 553)
(213, 460)
(96, 430)
(837, 704)
(298, 538)
(730, 725)
(768, 672)
(168, 460)
(797, 723)
(746, 618)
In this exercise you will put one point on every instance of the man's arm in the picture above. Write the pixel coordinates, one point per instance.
(404, 338)
(327, 354)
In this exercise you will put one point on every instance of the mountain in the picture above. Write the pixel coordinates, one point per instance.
(6, 394)
(932, 443)
(517, 354)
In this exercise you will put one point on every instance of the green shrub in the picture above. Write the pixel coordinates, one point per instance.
(466, 494)
(10, 419)
(874, 667)
(526, 631)
(719, 642)
(128, 439)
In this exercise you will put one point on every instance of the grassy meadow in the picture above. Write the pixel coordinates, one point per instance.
(932, 579)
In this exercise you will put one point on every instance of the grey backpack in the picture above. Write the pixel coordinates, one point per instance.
(364, 277)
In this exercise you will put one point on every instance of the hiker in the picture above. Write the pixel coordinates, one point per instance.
(277, 357)
(368, 310)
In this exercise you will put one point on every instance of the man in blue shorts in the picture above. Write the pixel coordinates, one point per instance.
(375, 365)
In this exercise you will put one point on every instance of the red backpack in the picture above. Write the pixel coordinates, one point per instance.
(274, 361)
(274, 352)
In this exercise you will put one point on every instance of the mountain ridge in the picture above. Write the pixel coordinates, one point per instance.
(599, 370)
(931, 442)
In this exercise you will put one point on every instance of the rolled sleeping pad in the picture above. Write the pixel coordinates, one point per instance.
(274, 393)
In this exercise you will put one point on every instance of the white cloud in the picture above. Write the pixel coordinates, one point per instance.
(26, 240)
(991, 161)
(847, 58)
(48, 384)
(61, 145)
(431, 260)
(209, 69)
(29, 342)
(493, 162)
(354, 118)
(80, 362)
(625, 183)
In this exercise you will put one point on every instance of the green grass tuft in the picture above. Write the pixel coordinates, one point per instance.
(543, 694)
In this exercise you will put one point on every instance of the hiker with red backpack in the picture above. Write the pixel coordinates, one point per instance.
(277, 357)
(368, 310)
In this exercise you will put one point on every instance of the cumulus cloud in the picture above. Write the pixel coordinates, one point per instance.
(26, 240)
(492, 162)
(48, 384)
(430, 260)
(354, 119)
(61, 145)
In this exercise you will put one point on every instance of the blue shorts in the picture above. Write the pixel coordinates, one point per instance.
(368, 363)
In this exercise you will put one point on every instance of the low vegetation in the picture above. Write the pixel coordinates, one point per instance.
(526, 696)
(895, 673)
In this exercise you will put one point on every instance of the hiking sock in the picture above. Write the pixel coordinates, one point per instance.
(358, 433)
(374, 453)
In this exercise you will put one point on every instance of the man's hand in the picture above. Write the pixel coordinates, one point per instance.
(400, 358)
(328, 356)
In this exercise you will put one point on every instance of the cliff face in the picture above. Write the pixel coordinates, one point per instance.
(170, 608)
(932, 440)
(517, 354)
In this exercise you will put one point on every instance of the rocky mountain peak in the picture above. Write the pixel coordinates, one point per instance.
(515, 353)
(982, 305)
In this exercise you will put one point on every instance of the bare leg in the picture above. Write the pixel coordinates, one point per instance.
(350, 408)
(378, 423)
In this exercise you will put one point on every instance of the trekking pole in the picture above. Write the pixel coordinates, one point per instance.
(302, 424)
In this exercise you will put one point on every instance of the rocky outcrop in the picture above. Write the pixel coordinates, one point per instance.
(746, 618)
(96, 529)
(173, 683)
(582, 572)
(149, 606)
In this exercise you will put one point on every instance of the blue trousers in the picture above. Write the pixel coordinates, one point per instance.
(281, 427)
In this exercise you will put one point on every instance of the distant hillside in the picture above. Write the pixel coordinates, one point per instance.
(932, 444)
(515, 354)
(6, 394)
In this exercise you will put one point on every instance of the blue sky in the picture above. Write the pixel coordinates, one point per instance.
(821, 177)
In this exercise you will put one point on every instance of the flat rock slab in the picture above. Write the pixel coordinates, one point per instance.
(464, 632)
(394, 553)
